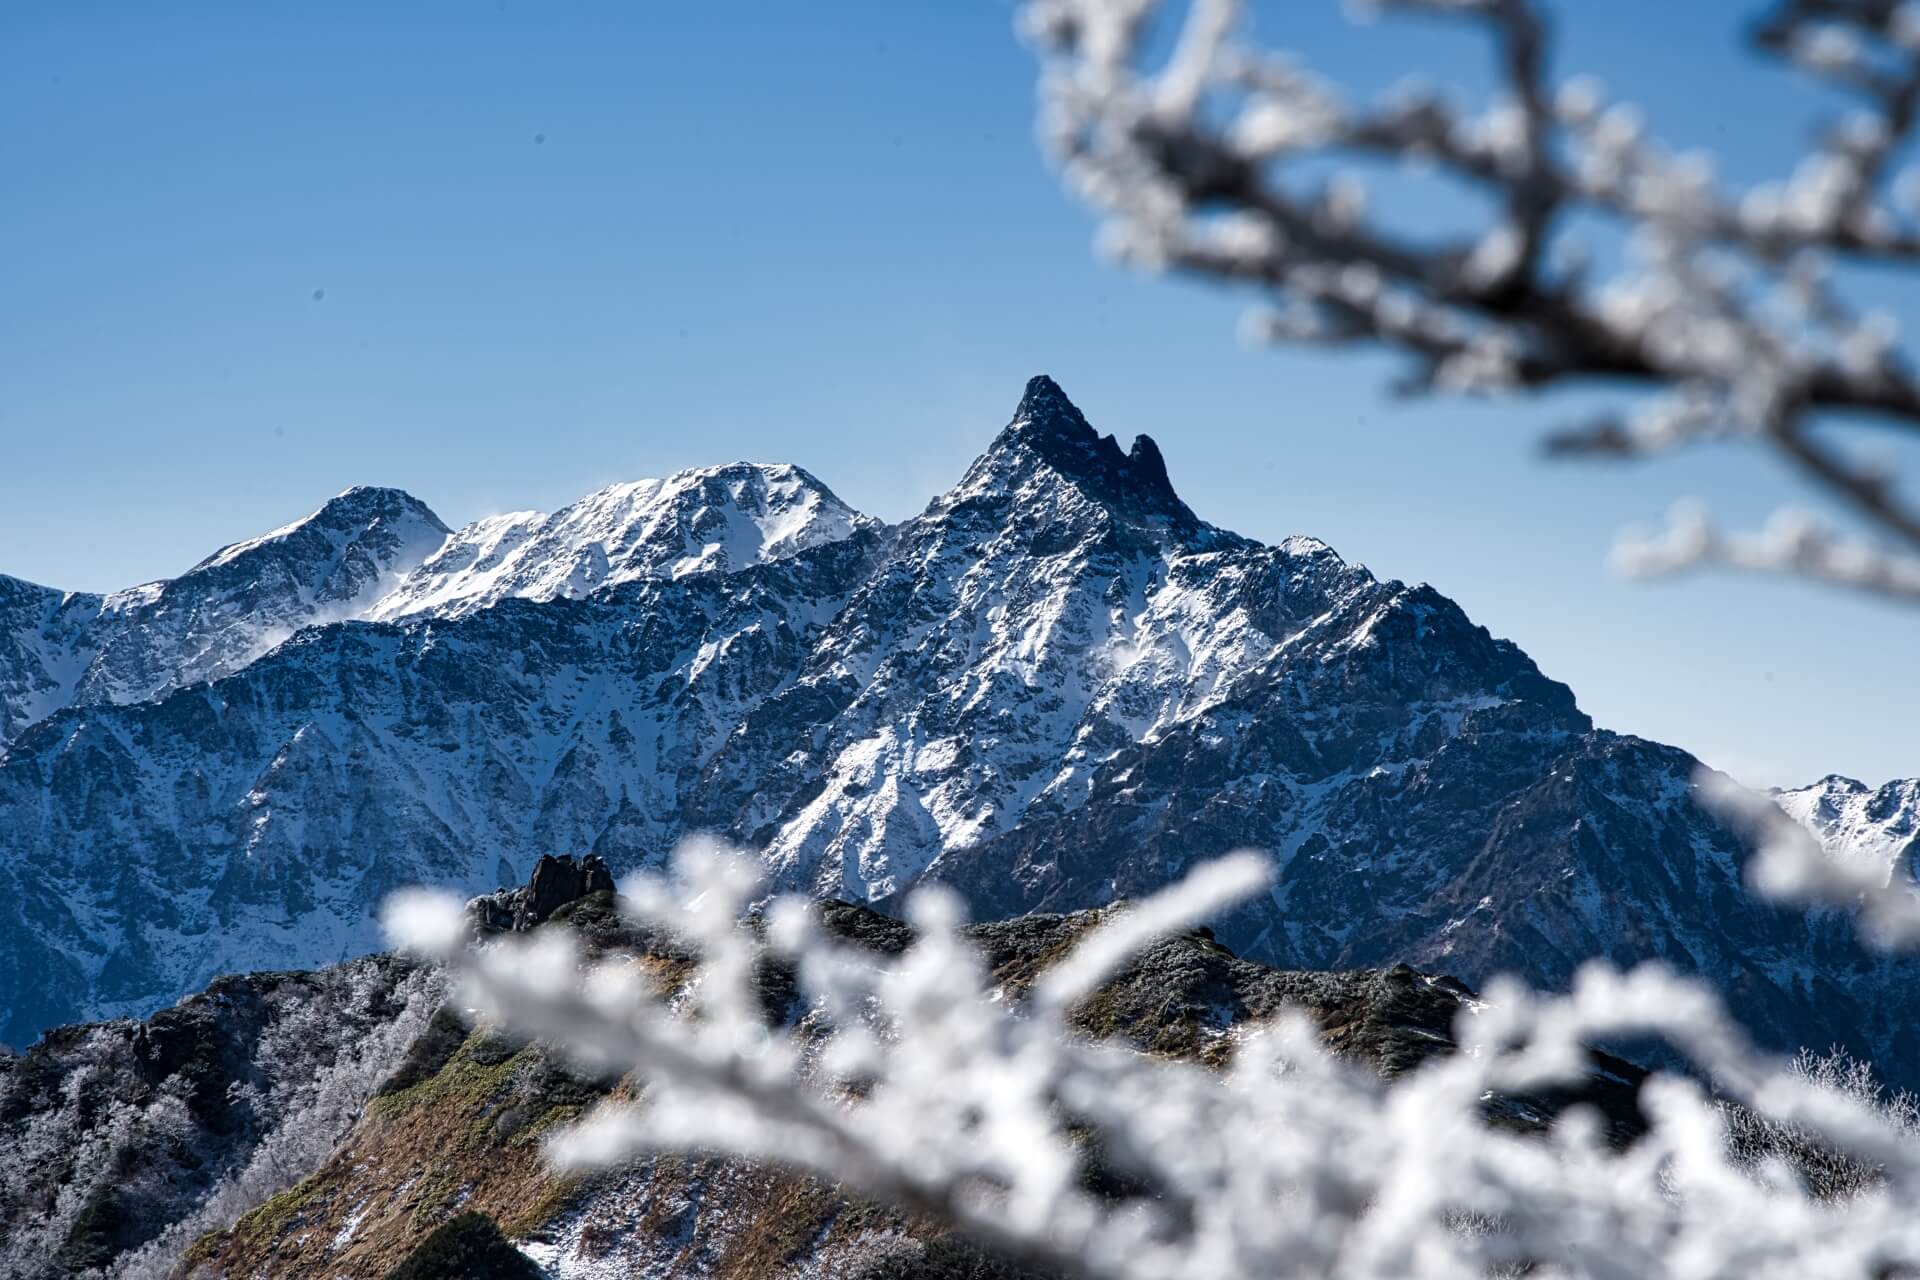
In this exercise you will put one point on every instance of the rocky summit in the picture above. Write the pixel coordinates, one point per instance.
(1055, 687)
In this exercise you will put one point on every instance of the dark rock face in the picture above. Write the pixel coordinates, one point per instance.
(1055, 687)
(468, 1246)
(556, 882)
(1058, 434)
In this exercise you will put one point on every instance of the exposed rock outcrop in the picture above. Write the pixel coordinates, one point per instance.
(556, 881)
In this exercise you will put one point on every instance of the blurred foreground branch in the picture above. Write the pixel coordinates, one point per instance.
(910, 1081)
(1723, 308)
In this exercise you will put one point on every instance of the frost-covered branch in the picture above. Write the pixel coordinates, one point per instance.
(908, 1078)
(1723, 309)
(1754, 1138)
(1793, 543)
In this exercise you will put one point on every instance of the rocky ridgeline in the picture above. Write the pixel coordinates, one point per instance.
(1056, 687)
(126, 1140)
(322, 1124)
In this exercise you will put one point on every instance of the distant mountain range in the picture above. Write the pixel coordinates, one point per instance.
(381, 555)
(1055, 687)
(1878, 825)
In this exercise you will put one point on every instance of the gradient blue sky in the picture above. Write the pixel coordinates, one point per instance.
(567, 244)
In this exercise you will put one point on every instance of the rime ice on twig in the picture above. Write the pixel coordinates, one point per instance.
(1724, 309)
(1792, 543)
(908, 1080)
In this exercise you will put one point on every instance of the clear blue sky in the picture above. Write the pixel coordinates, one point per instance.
(562, 244)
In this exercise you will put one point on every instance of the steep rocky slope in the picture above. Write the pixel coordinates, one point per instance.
(1056, 686)
(259, 820)
(126, 1140)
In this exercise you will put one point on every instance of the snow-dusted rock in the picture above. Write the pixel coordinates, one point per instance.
(1879, 825)
(380, 554)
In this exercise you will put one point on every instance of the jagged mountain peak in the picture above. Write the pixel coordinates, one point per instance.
(1055, 688)
(1880, 825)
(1835, 788)
(1045, 406)
(1833, 782)
(1049, 433)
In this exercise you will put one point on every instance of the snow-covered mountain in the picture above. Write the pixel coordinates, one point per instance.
(1054, 687)
(381, 554)
(72, 648)
(715, 519)
(1879, 825)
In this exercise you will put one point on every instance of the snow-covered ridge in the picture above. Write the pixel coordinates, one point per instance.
(1879, 825)
(343, 519)
(380, 554)
(711, 519)
(143, 642)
